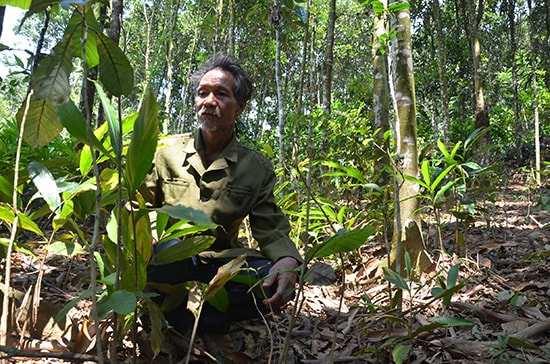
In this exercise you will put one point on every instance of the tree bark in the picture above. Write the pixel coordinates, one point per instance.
(511, 10)
(327, 70)
(381, 99)
(441, 67)
(532, 31)
(473, 16)
(407, 235)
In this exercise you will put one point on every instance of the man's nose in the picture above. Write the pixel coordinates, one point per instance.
(210, 99)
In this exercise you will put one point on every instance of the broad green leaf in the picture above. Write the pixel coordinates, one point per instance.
(220, 300)
(426, 173)
(143, 143)
(7, 215)
(442, 191)
(187, 214)
(115, 71)
(184, 249)
(400, 353)
(522, 343)
(395, 278)
(112, 120)
(67, 249)
(156, 334)
(6, 187)
(75, 123)
(123, 302)
(41, 124)
(50, 81)
(127, 278)
(343, 241)
(398, 6)
(452, 276)
(22, 4)
(441, 176)
(75, 28)
(450, 321)
(45, 183)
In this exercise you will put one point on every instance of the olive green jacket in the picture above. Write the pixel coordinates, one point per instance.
(238, 183)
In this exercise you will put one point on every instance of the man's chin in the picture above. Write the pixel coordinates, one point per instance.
(208, 127)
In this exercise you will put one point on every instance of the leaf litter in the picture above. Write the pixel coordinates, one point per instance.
(500, 315)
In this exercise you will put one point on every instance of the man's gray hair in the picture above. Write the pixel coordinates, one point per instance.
(242, 87)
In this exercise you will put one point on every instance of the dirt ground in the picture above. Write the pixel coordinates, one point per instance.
(500, 312)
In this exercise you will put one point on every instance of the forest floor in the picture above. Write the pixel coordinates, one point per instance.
(500, 312)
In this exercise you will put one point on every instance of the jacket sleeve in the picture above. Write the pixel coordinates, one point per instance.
(270, 227)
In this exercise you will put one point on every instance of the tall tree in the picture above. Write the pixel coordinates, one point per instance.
(511, 13)
(440, 41)
(472, 16)
(327, 69)
(407, 236)
(532, 31)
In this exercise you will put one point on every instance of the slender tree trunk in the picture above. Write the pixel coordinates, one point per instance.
(442, 70)
(305, 44)
(511, 10)
(407, 233)
(327, 70)
(169, 69)
(275, 21)
(219, 13)
(532, 31)
(2, 12)
(381, 99)
(473, 16)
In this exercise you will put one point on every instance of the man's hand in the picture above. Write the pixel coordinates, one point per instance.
(282, 273)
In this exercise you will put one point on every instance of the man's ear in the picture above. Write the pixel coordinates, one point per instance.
(240, 107)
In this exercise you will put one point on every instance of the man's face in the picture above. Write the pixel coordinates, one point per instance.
(217, 107)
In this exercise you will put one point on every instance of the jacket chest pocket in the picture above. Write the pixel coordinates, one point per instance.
(239, 198)
(176, 191)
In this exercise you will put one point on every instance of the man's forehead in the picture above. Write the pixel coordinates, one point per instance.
(217, 77)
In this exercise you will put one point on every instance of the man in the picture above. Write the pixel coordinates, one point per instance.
(211, 171)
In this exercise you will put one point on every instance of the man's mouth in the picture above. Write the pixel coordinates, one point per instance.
(209, 111)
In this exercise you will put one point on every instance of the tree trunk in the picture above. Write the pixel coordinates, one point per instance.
(407, 235)
(380, 97)
(169, 69)
(327, 70)
(473, 18)
(511, 10)
(441, 67)
(275, 20)
(532, 31)
(2, 12)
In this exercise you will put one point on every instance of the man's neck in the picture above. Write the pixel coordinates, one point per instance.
(214, 143)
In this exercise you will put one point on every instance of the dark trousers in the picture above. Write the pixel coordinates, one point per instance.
(241, 301)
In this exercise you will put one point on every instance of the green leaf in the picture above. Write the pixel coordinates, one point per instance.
(452, 276)
(115, 71)
(450, 321)
(73, 120)
(343, 241)
(187, 214)
(143, 143)
(75, 30)
(112, 120)
(398, 6)
(67, 249)
(185, 249)
(123, 302)
(23, 4)
(41, 124)
(156, 326)
(223, 275)
(425, 169)
(400, 353)
(7, 215)
(393, 277)
(50, 81)
(45, 183)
